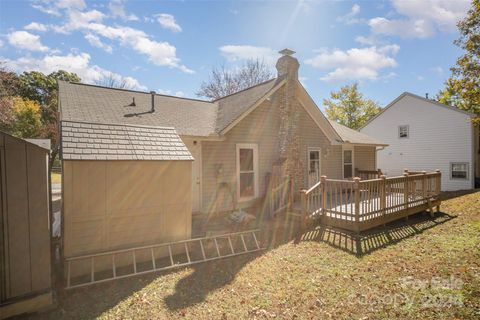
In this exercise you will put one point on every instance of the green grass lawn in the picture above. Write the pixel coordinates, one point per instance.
(423, 269)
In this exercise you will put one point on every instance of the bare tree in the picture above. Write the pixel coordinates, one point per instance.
(113, 80)
(223, 81)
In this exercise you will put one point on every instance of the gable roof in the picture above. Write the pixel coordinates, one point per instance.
(354, 137)
(94, 141)
(234, 107)
(405, 94)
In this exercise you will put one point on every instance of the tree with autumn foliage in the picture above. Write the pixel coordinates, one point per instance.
(25, 97)
(349, 108)
(462, 89)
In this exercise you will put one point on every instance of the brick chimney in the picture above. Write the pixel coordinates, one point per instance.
(287, 65)
(289, 138)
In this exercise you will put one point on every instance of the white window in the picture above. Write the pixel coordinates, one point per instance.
(459, 170)
(347, 163)
(313, 166)
(403, 131)
(247, 171)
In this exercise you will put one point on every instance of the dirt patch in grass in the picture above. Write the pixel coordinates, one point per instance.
(421, 269)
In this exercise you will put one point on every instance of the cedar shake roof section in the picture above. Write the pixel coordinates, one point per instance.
(95, 104)
(88, 141)
(354, 137)
(233, 106)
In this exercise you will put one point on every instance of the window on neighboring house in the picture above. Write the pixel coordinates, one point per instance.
(247, 164)
(347, 164)
(459, 170)
(403, 132)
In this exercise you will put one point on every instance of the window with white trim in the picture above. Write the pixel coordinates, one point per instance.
(347, 163)
(403, 132)
(247, 171)
(459, 170)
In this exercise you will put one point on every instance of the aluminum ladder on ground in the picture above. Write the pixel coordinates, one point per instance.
(211, 248)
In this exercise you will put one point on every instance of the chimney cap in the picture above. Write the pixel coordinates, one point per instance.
(286, 52)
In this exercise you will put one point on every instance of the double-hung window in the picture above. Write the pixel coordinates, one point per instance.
(247, 171)
(459, 170)
(347, 163)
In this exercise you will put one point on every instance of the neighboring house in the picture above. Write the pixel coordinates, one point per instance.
(424, 134)
(236, 140)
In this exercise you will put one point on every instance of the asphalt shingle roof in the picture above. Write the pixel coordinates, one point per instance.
(352, 136)
(94, 104)
(92, 141)
(233, 106)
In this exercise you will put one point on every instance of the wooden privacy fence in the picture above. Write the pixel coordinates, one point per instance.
(360, 205)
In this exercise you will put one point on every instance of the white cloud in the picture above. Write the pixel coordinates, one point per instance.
(355, 63)
(159, 53)
(421, 19)
(96, 42)
(244, 52)
(180, 94)
(167, 21)
(36, 26)
(370, 40)
(27, 41)
(438, 71)
(351, 17)
(117, 9)
(77, 63)
(402, 28)
(53, 7)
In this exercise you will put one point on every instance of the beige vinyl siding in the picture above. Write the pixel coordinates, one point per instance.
(260, 127)
(121, 204)
(311, 136)
(364, 158)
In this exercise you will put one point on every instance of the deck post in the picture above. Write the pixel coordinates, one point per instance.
(379, 175)
(323, 190)
(438, 186)
(405, 190)
(356, 187)
(424, 186)
(383, 194)
(304, 204)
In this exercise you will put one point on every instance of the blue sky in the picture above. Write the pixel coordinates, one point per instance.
(170, 46)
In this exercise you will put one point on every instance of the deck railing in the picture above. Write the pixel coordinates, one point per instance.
(368, 174)
(362, 204)
(280, 194)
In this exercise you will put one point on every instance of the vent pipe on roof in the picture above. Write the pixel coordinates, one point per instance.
(153, 101)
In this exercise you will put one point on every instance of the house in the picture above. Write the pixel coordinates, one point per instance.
(423, 134)
(236, 142)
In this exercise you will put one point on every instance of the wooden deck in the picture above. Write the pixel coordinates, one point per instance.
(360, 205)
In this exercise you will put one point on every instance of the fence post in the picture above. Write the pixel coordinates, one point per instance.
(356, 187)
(304, 204)
(405, 190)
(383, 195)
(379, 174)
(424, 184)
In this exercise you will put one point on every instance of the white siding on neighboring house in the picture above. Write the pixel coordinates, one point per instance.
(437, 137)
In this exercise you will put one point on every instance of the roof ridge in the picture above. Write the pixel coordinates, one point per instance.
(131, 90)
(231, 94)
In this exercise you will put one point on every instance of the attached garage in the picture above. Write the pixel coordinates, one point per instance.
(123, 186)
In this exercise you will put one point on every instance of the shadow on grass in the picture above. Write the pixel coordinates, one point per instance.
(377, 238)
